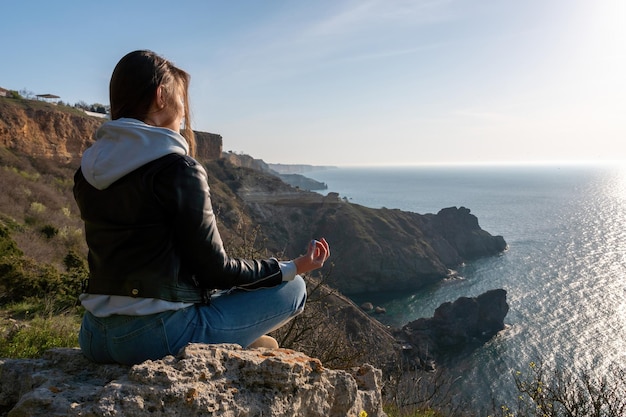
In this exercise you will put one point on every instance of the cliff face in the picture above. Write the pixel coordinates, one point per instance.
(393, 250)
(373, 250)
(61, 134)
(39, 130)
(209, 146)
(246, 161)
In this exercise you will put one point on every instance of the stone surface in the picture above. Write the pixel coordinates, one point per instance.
(203, 380)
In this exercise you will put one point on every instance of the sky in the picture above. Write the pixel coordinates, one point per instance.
(353, 82)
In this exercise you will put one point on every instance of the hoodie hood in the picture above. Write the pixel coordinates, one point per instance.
(123, 145)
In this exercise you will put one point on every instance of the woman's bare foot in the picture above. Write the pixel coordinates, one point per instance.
(264, 341)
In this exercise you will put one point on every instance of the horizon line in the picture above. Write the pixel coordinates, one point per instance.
(543, 163)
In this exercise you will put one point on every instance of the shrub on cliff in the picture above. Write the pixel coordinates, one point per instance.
(22, 277)
(32, 296)
(546, 392)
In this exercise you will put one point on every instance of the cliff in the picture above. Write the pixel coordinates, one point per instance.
(39, 130)
(61, 134)
(209, 145)
(291, 177)
(373, 250)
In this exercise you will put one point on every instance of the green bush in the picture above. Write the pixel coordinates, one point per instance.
(8, 247)
(75, 263)
(30, 339)
(49, 231)
(22, 277)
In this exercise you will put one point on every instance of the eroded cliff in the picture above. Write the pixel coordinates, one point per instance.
(373, 250)
(61, 134)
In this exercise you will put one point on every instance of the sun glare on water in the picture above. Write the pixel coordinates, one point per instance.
(619, 186)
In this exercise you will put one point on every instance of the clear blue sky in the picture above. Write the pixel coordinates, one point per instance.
(342, 82)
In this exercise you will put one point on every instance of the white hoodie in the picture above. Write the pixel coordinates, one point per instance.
(123, 145)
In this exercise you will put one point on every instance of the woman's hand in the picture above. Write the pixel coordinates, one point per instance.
(317, 253)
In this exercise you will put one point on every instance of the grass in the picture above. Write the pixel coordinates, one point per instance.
(31, 338)
(41, 105)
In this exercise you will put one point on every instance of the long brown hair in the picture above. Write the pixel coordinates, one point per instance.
(134, 83)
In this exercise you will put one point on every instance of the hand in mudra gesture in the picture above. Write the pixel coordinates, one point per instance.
(317, 253)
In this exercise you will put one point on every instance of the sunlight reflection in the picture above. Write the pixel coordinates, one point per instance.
(619, 186)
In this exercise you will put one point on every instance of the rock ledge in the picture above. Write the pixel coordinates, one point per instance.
(202, 380)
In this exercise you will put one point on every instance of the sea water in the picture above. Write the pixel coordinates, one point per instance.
(564, 270)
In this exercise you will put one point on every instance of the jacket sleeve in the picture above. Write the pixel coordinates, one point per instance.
(184, 192)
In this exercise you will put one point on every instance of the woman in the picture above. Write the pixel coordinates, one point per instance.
(155, 254)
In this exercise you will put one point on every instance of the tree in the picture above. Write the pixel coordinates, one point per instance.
(82, 105)
(26, 93)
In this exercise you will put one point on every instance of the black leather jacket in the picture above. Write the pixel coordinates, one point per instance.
(152, 234)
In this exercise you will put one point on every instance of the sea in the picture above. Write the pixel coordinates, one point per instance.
(564, 270)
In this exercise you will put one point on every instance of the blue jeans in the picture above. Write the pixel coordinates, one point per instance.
(232, 317)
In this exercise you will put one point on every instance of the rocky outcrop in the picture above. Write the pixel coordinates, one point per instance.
(208, 146)
(300, 181)
(458, 236)
(292, 178)
(202, 380)
(455, 327)
(373, 250)
(246, 161)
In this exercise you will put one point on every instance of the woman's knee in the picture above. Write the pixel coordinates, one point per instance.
(299, 290)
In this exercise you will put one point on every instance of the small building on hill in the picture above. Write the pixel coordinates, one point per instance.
(47, 97)
(4, 92)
